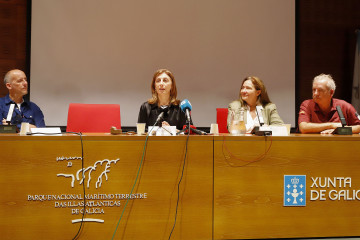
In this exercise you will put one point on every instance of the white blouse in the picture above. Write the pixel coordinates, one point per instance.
(250, 122)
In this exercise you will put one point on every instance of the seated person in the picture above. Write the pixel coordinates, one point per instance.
(319, 115)
(25, 111)
(252, 94)
(164, 93)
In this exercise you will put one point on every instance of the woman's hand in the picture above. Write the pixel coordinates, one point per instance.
(165, 124)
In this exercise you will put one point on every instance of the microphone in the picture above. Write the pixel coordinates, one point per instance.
(341, 115)
(257, 130)
(10, 113)
(9, 128)
(259, 114)
(342, 130)
(163, 113)
(186, 107)
(161, 116)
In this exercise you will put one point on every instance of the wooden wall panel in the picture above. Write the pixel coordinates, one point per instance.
(326, 44)
(13, 38)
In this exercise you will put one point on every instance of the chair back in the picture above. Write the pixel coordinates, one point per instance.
(93, 117)
(221, 119)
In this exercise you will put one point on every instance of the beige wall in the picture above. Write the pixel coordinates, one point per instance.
(94, 51)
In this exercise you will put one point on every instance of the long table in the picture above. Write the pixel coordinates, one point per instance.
(249, 186)
(232, 187)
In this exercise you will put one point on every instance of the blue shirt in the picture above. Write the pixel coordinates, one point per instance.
(29, 113)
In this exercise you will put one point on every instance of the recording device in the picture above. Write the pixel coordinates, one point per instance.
(342, 130)
(256, 130)
(115, 131)
(186, 107)
(9, 128)
(193, 130)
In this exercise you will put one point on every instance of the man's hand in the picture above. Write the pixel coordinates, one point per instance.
(308, 127)
(327, 131)
(4, 122)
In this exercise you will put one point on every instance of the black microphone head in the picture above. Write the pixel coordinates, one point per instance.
(341, 115)
(159, 118)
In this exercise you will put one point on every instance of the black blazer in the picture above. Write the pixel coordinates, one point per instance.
(149, 112)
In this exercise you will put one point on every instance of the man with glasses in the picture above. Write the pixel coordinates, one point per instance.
(24, 111)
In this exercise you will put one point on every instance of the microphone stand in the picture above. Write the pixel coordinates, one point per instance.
(256, 129)
(165, 130)
(189, 128)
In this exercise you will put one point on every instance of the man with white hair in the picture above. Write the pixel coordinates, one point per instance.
(319, 115)
(24, 111)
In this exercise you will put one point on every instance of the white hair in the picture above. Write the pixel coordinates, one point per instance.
(9, 74)
(7, 77)
(330, 83)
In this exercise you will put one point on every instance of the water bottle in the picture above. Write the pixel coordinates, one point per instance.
(242, 122)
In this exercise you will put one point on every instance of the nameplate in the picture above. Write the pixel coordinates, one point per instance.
(163, 131)
(276, 130)
(166, 131)
(46, 131)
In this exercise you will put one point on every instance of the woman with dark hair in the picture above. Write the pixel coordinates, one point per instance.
(164, 93)
(253, 93)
